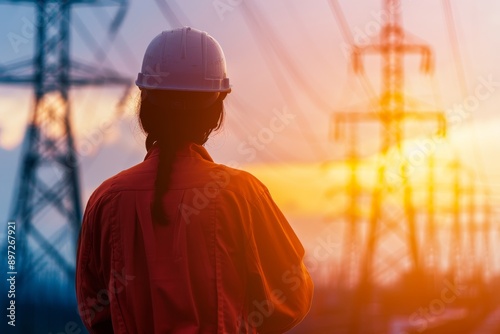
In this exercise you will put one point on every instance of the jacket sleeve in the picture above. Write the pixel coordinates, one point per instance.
(280, 286)
(92, 270)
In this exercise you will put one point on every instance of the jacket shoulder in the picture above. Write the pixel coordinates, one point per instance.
(137, 177)
(239, 181)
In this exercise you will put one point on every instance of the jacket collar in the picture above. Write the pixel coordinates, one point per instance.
(191, 150)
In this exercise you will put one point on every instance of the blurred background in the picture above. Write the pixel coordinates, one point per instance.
(373, 123)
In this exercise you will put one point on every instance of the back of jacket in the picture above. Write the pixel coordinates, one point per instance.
(227, 261)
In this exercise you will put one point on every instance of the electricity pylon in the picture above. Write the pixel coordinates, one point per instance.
(392, 188)
(442, 221)
(47, 205)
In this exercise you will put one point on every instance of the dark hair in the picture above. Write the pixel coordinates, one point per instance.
(173, 119)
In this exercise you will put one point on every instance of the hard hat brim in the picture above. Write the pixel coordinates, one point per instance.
(181, 83)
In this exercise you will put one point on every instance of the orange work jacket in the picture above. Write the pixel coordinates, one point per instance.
(227, 262)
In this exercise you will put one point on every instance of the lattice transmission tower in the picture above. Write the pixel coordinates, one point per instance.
(427, 217)
(392, 212)
(46, 206)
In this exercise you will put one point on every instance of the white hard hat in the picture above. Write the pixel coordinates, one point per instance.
(184, 59)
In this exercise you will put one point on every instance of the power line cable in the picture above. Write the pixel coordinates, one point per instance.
(261, 37)
(172, 13)
(348, 38)
(462, 79)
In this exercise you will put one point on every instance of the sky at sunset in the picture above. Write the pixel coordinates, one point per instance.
(287, 62)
